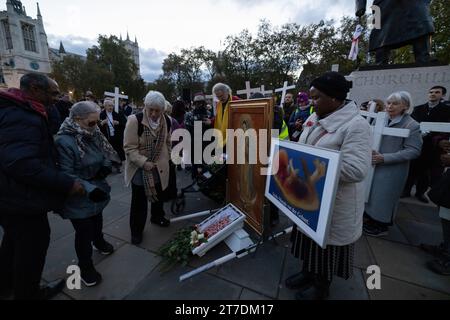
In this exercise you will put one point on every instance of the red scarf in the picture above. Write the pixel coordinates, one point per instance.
(21, 98)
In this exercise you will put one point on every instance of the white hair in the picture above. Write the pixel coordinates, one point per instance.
(402, 96)
(83, 109)
(169, 108)
(221, 87)
(108, 101)
(155, 99)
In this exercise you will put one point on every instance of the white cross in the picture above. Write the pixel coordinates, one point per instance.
(284, 91)
(264, 91)
(379, 130)
(248, 90)
(427, 127)
(116, 95)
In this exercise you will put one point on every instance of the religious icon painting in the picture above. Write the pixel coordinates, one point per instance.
(302, 183)
(246, 184)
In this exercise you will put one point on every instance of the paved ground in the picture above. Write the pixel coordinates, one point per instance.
(133, 272)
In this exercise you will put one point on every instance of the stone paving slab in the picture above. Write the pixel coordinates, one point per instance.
(363, 254)
(407, 263)
(154, 237)
(61, 254)
(59, 227)
(114, 211)
(259, 272)
(395, 234)
(249, 295)
(392, 289)
(418, 232)
(122, 272)
(352, 289)
(166, 286)
(424, 213)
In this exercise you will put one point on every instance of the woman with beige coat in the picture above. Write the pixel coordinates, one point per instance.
(148, 169)
(336, 125)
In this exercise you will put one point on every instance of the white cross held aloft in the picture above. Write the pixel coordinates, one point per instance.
(284, 91)
(379, 130)
(116, 95)
(248, 90)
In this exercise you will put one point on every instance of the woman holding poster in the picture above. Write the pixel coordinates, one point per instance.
(336, 125)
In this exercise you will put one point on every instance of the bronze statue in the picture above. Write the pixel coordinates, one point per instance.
(403, 22)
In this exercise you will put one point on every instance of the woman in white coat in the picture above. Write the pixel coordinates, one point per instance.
(336, 125)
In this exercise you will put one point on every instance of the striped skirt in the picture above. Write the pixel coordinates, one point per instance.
(329, 262)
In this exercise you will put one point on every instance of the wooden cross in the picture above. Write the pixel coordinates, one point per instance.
(116, 95)
(264, 91)
(248, 90)
(379, 130)
(284, 91)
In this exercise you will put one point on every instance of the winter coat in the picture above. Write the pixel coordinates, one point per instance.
(390, 177)
(85, 170)
(30, 182)
(349, 133)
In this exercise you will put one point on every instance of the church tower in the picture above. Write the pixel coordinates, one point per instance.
(23, 44)
(133, 48)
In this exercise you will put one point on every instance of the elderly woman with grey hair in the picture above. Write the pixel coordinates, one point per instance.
(148, 167)
(392, 165)
(85, 154)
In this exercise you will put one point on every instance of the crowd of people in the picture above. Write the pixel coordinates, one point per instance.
(55, 157)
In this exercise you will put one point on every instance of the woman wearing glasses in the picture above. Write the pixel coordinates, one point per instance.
(85, 154)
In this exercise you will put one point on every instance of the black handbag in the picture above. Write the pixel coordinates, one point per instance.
(440, 192)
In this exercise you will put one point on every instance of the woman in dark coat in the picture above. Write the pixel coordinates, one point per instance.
(113, 125)
(86, 155)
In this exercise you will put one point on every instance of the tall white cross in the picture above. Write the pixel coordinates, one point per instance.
(116, 95)
(284, 91)
(264, 91)
(379, 130)
(248, 90)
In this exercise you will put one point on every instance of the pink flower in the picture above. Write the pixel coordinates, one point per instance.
(310, 124)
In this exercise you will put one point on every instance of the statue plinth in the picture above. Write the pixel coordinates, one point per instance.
(378, 82)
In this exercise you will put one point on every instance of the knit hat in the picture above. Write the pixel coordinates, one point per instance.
(333, 84)
(302, 97)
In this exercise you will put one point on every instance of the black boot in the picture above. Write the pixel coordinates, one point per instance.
(299, 280)
(319, 290)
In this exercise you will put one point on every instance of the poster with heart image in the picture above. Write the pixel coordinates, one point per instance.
(302, 184)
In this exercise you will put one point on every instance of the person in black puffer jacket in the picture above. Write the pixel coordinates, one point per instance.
(30, 186)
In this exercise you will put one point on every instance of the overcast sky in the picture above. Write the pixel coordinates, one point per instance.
(165, 26)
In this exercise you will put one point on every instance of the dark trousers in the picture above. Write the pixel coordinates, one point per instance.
(139, 210)
(87, 231)
(423, 174)
(22, 254)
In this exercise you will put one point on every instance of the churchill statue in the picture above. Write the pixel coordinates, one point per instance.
(403, 22)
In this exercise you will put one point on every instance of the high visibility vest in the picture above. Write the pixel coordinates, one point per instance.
(284, 133)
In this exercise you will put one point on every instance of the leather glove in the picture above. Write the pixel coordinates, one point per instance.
(98, 195)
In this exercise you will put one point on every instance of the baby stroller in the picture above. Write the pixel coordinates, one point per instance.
(211, 181)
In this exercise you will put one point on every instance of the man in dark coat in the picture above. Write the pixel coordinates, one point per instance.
(113, 126)
(30, 186)
(403, 22)
(427, 169)
(63, 105)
